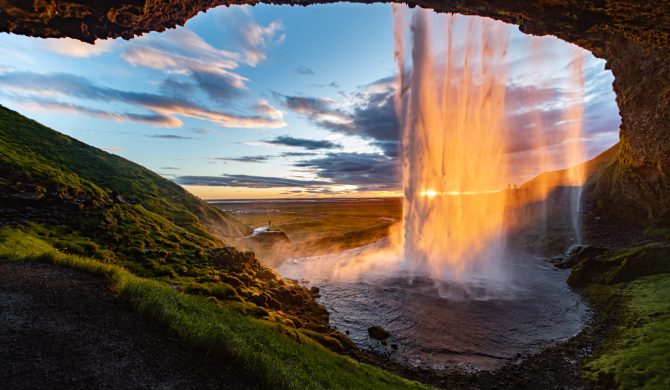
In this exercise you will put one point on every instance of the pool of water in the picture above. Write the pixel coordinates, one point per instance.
(444, 324)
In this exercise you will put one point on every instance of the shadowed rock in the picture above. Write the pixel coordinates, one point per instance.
(377, 332)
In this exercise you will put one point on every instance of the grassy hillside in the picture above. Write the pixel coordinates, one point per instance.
(84, 201)
(32, 155)
(264, 351)
(592, 169)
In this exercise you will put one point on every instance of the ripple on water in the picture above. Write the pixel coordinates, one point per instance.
(432, 329)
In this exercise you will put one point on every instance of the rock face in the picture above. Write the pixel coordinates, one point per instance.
(632, 35)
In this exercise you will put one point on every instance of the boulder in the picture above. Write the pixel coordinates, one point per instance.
(377, 332)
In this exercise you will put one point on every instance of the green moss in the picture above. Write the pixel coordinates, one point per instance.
(265, 352)
(622, 265)
(637, 354)
(625, 151)
(658, 231)
(47, 163)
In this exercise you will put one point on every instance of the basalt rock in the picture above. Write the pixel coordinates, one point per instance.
(377, 332)
(579, 254)
(622, 265)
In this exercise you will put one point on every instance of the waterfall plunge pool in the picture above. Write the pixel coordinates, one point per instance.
(440, 324)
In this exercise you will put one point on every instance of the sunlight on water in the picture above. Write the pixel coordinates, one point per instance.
(452, 109)
(451, 103)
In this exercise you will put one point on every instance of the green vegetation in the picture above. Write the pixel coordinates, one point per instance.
(633, 284)
(658, 231)
(69, 204)
(267, 352)
(86, 202)
(316, 228)
(120, 211)
(36, 158)
(622, 265)
(637, 353)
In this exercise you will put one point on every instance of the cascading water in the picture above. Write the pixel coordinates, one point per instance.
(576, 152)
(453, 148)
(446, 288)
(451, 104)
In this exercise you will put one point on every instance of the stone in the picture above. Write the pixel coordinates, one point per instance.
(578, 254)
(377, 332)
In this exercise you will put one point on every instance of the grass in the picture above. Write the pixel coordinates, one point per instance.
(104, 206)
(86, 202)
(315, 228)
(265, 351)
(622, 265)
(637, 354)
(36, 158)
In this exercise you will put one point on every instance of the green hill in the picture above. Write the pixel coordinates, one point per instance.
(38, 159)
(84, 201)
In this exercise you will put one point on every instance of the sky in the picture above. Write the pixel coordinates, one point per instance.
(272, 101)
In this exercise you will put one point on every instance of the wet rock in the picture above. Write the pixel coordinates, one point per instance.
(622, 265)
(578, 254)
(259, 300)
(267, 274)
(377, 332)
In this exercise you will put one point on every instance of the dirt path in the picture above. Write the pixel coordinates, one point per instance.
(61, 328)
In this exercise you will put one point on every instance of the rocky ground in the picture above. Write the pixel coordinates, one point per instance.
(61, 328)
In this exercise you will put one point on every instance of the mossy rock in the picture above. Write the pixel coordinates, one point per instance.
(622, 265)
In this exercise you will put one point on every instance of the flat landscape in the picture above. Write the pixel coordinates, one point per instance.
(312, 226)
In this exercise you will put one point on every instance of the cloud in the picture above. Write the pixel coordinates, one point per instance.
(183, 52)
(369, 113)
(164, 109)
(257, 38)
(305, 71)
(170, 136)
(366, 170)
(318, 110)
(246, 181)
(113, 149)
(298, 154)
(202, 130)
(371, 117)
(304, 143)
(263, 107)
(74, 48)
(45, 104)
(246, 159)
(219, 89)
(332, 84)
(173, 87)
(170, 168)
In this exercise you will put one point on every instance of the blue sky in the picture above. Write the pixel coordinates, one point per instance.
(264, 101)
